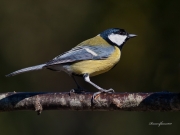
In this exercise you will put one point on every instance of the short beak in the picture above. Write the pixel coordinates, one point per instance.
(131, 35)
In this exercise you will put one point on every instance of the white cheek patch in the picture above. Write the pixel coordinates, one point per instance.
(117, 39)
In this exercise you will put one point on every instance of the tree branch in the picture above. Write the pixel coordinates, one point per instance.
(38, 101)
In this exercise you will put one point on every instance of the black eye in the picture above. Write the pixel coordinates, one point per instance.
(122, 33)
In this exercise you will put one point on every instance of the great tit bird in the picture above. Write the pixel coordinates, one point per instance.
(92, 57)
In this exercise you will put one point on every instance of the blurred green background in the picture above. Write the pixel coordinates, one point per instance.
(33, 32)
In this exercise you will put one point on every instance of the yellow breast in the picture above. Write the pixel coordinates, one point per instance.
(96, 67)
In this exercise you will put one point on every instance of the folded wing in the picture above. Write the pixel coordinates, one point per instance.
(80, 53)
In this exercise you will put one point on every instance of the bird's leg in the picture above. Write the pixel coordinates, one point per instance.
(79, 88)
(87, 79)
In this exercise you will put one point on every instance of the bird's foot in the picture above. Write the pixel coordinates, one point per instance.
(107, 91)
(77, 90)
(102, 91)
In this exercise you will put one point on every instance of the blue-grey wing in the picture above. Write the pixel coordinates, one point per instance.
(80, 53)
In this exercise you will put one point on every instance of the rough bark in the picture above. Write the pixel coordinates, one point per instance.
(38, 101)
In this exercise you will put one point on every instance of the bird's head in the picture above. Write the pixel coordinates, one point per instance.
(116, 36)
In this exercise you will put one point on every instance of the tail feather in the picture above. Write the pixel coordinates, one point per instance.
(38, 67)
